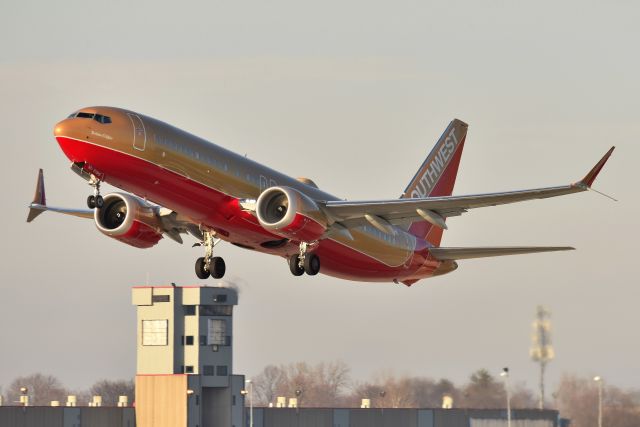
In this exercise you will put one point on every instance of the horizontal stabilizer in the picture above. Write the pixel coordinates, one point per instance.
(444, 254)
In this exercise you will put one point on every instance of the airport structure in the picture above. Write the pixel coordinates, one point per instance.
(185, 357)
(184, 378)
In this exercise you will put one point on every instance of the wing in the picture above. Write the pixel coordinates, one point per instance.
(436, 209)
(172, 224)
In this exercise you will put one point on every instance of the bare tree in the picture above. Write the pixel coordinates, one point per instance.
(267, 384)
(364, 391)
(522, 397)
(577, 399)
(42, 389)
(621, 408)
(427, 393)
(112, 390)
(315, 386)
(331, 381)
(483, 391)
(387, 391)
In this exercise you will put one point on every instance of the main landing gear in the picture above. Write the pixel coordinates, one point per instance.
(209, 265)
(95, 200)
(304, 262)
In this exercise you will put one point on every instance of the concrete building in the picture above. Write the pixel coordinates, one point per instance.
(185, 357)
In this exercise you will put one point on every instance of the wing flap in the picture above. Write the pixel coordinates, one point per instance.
(445, 254)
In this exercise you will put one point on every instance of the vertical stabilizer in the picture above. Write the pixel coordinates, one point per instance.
(437, 176)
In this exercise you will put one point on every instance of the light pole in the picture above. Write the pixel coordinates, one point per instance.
(250, 402)
(505, 375)
(598, 379)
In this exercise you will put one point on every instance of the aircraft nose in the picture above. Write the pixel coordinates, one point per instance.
(60, 129)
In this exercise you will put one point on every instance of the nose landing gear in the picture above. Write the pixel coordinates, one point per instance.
(209, 265)
(95, 200)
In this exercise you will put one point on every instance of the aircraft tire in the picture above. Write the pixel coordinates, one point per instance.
(201, 271)
(312, 264)
(91, 202)
(99, 202)
(218, 267)
(294, 266)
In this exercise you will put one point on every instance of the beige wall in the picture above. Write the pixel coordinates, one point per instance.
(161, 400)
(158, 359)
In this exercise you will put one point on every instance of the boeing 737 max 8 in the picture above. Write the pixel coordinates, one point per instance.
(177, 183)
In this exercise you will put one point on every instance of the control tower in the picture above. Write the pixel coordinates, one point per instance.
(185, 357)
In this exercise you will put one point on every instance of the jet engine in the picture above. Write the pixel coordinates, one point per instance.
(289, 213)
(129, 219)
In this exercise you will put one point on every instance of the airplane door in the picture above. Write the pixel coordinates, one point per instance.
(139, 133)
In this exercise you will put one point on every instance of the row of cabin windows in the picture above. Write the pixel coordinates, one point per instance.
(97, 117)
(180, 148)
(183, 149)
(208, 370)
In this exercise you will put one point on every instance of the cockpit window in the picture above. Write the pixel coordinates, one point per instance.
(102, 119)
(97, 117)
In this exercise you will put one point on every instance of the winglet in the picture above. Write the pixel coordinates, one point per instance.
(39, 199)
(593, 173)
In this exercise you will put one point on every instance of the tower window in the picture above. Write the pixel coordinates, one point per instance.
(154, 332)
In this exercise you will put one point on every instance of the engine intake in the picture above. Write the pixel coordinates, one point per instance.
(289, 213)
(128, 219)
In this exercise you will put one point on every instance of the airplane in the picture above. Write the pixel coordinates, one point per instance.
(177, 183)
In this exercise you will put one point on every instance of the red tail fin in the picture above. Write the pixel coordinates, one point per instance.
(437, 176)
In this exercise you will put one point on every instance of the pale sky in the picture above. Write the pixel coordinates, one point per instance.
(352, 95)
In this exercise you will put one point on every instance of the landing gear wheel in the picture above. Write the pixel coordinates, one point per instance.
(95, 200)
(311, 264)
(294, 266)
(201, 270)
(217, 267)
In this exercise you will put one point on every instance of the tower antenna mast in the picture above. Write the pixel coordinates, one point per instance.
(541, 348)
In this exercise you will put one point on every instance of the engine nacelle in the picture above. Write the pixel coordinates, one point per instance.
(289, 213)
(128, 219)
